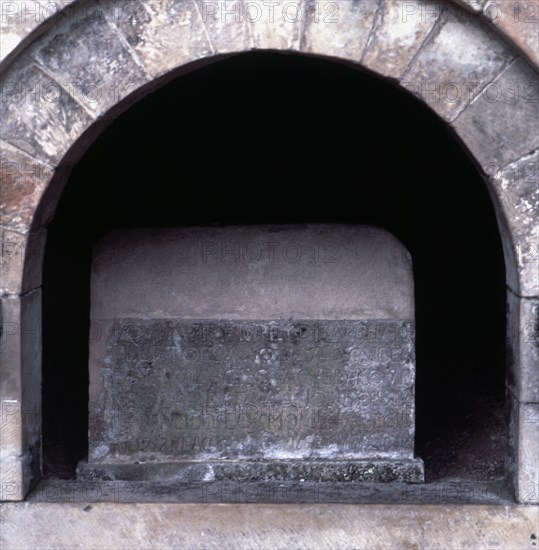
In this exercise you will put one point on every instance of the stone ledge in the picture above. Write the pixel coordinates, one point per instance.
(408, 470)
(443, 491)
(235, 526)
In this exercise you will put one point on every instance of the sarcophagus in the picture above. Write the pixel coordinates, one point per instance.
(252, 353)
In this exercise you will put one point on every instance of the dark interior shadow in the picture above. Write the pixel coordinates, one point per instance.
(269, 138)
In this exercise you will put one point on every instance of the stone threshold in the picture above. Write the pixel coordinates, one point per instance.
(266, 526)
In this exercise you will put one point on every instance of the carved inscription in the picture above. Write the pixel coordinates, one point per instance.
(254, 389)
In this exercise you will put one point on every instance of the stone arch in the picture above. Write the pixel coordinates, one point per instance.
(62, 87)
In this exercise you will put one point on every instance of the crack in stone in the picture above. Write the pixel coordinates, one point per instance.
(523, 158)
(121, 36)
(520, 296)
(517, 398)
(18, 296)
(303, 26)
(510, 62)
(481, 89)
(377, 22)
(430, 35)
(203, 23)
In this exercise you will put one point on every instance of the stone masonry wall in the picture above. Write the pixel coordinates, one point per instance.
(67, 72)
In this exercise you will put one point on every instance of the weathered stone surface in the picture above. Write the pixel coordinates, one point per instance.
(12, 475)
(517, 207)
(23, 180)
(226, 25)
(38, 115)
(528, 454)
(249, 471)
(339, 29)
(317, 382)
(33, 130)
(280, 526)
(500, 126)
(20, 393)
(523, 449)
(87, 57)
(277, 25)
(262, 272)
(10, 350)
(523, 347)
(21, 339)
(459, 59)
(518, 20)
(399, 31)
(280, 390)
(19, 19)
(21, 261)
(164, 34)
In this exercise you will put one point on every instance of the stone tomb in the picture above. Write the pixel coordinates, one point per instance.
(252, 353)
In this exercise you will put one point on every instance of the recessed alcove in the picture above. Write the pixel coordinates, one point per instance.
(267, 138)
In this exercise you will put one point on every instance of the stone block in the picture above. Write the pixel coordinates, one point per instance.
(88, 58)
(20, 393)
(516, 189)
(226, 25)
(31, 344)
(12, 484)
(399, 32)
(23, 181)
(30, 100)
(19, 462)
(339, 29)
(21, 261)
(19, 19)
(277, 25)
(209, 347)
(523, 347)
(11, 421)
(518, 21)
(10, 350)
(21, 345)
(523, 457)
(460, 58)
(165, 34)
(243, 524)
(500, 126)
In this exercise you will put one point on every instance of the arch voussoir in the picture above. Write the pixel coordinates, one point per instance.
(343, 33)
(500, 124)
(225, 25)
(163, 35)
(38, 116)
(398, 34)
(79, 72)
(24, 178)
(460, 57)
(276, 26)
(516, 21)
(517, 198)
(86, 56)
